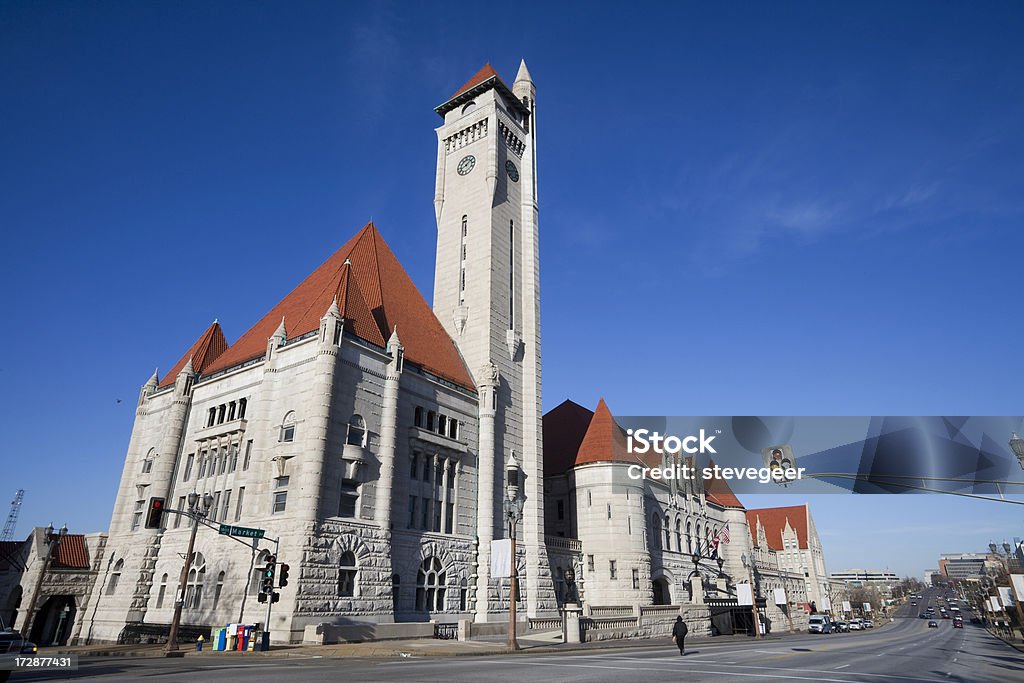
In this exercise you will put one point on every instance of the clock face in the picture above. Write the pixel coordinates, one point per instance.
(466, 164)
(512, 171)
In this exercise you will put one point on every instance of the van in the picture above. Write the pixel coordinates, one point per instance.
(819, 623)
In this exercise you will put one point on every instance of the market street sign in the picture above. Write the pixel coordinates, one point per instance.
(244, 531)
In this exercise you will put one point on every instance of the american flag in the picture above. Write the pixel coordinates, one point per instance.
(723, 535)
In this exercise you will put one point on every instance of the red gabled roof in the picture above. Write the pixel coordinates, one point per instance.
(375, 295)
(210, 345)
(564, 429)
(72, 553)
(774, 522)
(717, 491)
(484, 74)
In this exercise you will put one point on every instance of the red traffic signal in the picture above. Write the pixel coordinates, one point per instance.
(283, 575)
(155, 517)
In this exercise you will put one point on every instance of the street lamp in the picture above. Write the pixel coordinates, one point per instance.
(52, 541)
(513, 508)
(748, 563)
(1017, 446)
(198, 507)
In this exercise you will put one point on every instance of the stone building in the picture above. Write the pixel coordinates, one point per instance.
(789, 533)
(651, 542)
(364, 431)
(63, 605)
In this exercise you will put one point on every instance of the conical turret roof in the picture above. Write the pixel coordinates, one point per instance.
(203, 353)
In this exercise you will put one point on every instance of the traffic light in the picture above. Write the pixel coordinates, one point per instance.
(282, 579)
(268, 575)
(156, 513)
(274, 597)
(262, 597)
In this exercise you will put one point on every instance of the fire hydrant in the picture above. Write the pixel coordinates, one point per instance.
(199, 644)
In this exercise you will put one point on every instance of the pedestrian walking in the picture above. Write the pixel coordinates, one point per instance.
(679, 631)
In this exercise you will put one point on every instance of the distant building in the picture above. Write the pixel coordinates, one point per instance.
(963, 565)
(790, 532)
(860, 578)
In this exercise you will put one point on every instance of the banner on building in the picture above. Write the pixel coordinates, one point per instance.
(994, 605)
(866, 606)
(1017, 581)
(501, 558)
(1006, 596)
(780, 596)
(744, 596)
(826, 605)
(846, 606)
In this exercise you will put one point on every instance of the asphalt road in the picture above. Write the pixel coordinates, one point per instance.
(905, 651)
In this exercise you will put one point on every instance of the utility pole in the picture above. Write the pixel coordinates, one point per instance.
(195, 512)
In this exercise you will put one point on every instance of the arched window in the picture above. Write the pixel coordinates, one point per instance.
(430, 583)
(442, 424)
(147, 462)
(221, 413)
(418, 418)
(288, 428)
(689, 538)
(115, 576)
(211, 417)
(430, 420)
(194, 586)
(162, 592)
(241, 407)
(217, 589)
(231, 411)
(679, 534)
(668, 534)
(396, 583)
(468, 107)
(698, 547)
(357, 431)
(656, 524)
(453, 428)
(347, 570)
(464, 595)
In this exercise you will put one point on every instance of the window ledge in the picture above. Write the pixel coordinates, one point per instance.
(236, 426)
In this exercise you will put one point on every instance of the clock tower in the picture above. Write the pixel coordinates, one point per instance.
(487, 295)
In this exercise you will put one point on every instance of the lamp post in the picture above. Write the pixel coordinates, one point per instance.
(52, 541)
(748, 563)
(1017, 446)
(198, 507)
(513, 508)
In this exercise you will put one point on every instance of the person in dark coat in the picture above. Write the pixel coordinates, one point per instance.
(679, 631)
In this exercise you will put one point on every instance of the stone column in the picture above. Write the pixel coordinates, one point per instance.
(486, 388)
(389, 435)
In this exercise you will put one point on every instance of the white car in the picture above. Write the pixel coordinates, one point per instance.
(856, 625)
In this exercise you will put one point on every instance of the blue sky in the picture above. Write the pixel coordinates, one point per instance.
(776, 208)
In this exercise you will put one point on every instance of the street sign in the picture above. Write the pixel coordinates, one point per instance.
(243, 531)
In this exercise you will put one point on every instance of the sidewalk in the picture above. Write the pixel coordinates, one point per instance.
(424, 647)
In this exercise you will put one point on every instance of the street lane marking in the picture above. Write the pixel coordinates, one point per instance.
(837, 668)
(708, 671)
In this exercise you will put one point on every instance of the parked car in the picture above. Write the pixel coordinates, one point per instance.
(841, 627)
(819, 623)
(856, 625)
(933, 624)
(868, 623)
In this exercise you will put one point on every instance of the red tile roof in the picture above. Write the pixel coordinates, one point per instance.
(486, 73)
(375, 294)
(564, 429)
(72, 553)
(210, 345)
(605, 441)
(718, 492)
(774, 522)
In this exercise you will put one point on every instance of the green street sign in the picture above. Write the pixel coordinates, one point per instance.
(245, 532)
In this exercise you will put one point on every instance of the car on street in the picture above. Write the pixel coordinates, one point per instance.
(12, 644)
(933, 624)
(958, 623)
(923, 615)
(841, 627)
(867, 623)
(819, 623)
(856, 625)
